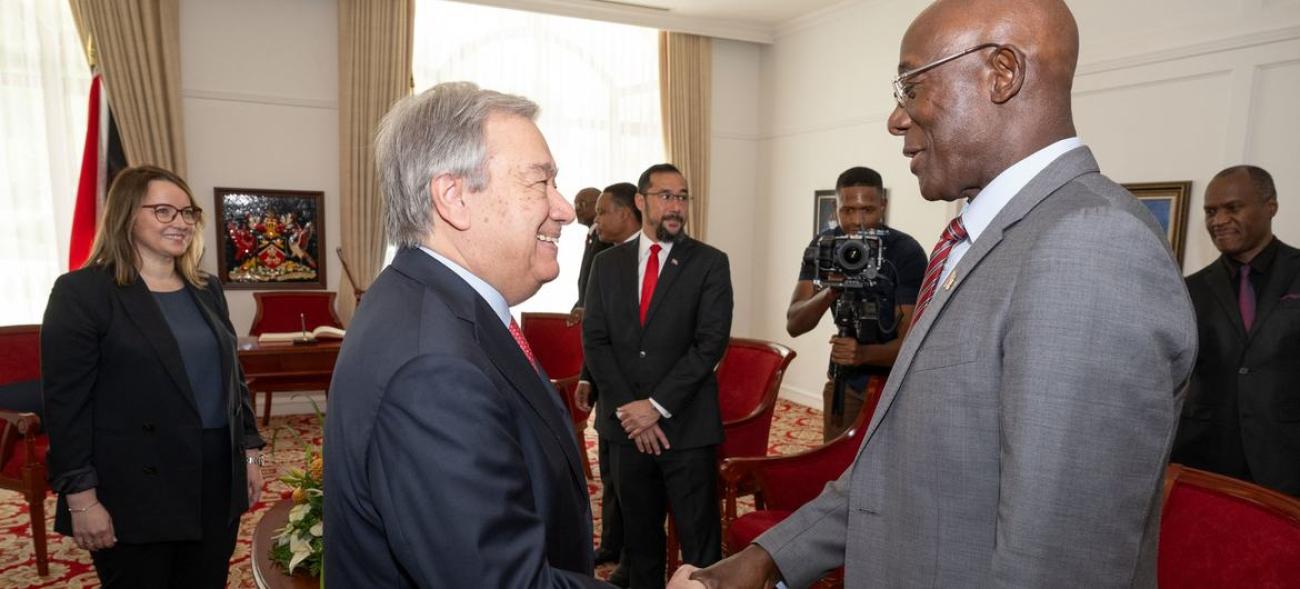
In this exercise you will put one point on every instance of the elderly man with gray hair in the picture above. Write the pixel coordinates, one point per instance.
(450, 459)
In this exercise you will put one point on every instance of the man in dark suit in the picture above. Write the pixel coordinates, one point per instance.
(617, 221)
(657, 323)
(584, 207)
(1242, 416)
(1022, 437)
(451, 461)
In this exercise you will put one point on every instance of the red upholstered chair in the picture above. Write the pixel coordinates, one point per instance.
(749, 380)
(22, 445)
(558, 348)
(781, 484)
(283, 312)
(1217, 531)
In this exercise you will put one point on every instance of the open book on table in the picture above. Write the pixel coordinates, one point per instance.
(324, 332)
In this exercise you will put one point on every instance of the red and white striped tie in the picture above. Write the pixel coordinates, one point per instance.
(953, 235)
(523, 343)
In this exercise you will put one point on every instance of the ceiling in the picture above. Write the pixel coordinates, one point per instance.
(746, 20)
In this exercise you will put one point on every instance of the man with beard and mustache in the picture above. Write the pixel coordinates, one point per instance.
(658, 320)
(1022, 436)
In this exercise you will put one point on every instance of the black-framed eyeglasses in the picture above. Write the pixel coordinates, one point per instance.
(668, 196)
(167, 213)
(901, 92)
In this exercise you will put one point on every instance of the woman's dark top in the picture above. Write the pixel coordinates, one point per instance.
(199, 353)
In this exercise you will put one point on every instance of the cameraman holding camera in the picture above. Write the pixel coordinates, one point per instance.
(860, 206)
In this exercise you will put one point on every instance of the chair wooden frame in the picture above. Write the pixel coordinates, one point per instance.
(1266, 499)
(18, 433)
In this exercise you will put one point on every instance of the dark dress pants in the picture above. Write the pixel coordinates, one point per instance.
(611, 515)
(197, 564)
(686, 480)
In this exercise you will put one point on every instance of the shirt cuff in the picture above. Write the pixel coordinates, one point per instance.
(660, 409)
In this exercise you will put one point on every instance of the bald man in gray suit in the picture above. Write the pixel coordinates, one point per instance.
(1022, 436)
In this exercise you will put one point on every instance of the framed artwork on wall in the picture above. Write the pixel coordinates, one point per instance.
(270, 239)
(824, 211)
(1168, 202)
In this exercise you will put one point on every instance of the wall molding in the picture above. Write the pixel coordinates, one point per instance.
(290, 404)
(629, 14)
(266, 99)
(817, 18)
(798, 395)
(1242, 41)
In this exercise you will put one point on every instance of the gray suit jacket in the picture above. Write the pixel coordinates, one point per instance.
(1022, 436)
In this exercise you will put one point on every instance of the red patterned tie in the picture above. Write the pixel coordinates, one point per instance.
(953, 235)
(651, 279)
(523, 343)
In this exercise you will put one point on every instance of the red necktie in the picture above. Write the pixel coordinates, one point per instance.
(651, 278)
(523, 343)
(953, 235)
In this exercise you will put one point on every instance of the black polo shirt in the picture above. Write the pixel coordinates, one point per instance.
(904, 264)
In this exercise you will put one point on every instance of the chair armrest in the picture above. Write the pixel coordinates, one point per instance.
(27, 424)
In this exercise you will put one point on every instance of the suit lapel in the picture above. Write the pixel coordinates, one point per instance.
(497, 344)
(225, 338)
(1066, 168)
(1220, 283)
(677, 258)
(627, 282)
(1285, 267)
(148, 318)
(532, 385)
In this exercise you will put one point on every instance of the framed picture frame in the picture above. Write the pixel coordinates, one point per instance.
(270, 239)
(1168, 203)
(824, 206)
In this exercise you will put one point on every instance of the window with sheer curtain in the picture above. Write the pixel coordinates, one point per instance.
(44, 85)
(597, 84)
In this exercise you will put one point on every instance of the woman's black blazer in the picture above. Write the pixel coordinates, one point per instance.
(119, 410)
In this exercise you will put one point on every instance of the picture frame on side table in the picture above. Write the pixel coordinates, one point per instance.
(1168, 203)
(270, 239)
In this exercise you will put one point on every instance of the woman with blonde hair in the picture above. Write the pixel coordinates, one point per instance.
(154, 449)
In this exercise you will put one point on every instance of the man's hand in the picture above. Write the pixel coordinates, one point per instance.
(575, 317)
(651, 441)
(582, 396)
(751, 568)
(846, 351)
(637, 417)
(682, 578)
(254, 479)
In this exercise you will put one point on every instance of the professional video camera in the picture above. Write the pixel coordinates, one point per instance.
(852, 264)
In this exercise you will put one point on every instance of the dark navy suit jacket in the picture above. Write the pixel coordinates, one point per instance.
(448, 461)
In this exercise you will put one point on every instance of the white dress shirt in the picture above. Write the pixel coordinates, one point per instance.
(643, 254)
(980, 210)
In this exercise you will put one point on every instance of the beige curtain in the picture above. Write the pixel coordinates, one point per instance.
(685, 97)
(137, 43)
(375, 43)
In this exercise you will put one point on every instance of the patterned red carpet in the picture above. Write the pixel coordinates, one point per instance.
(794, 428)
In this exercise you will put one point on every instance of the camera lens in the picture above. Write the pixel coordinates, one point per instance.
(852, 256)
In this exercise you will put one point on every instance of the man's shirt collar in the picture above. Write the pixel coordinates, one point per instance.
(484, 290)
(980, 211)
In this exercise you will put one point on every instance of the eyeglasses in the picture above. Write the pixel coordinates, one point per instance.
(667, 196)
(167, 213)
(901, 92)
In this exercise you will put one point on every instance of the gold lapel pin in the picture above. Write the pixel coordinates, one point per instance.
(673, 261)
(952, 279)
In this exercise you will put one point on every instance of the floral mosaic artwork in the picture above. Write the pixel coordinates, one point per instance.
(794, 428)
